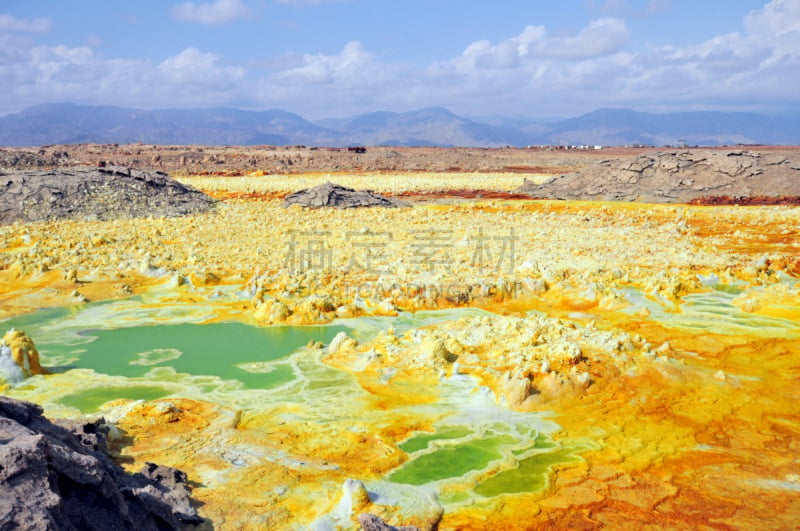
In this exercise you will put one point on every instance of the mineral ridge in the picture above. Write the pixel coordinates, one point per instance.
(679, 177)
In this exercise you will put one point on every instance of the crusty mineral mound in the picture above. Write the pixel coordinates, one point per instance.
(19, 358)
(59, 477)
(678, 177)
(337, 196)
(94, 193)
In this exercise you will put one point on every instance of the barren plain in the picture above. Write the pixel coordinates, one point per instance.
(476, 359)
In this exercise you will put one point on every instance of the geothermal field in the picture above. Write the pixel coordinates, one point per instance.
(447, 339)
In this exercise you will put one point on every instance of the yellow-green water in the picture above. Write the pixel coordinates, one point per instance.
(138, 350)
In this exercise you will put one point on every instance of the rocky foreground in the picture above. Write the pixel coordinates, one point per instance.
(679, 177)
(59, 476)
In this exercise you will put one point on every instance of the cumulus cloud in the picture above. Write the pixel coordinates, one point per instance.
(731, 53)
(193, 68)
(11, 24)
(351, 81)
(216, 12)
(350, 66)
(778, 18)
(61, 73)
(600, 38)
(590, 69)
(761, 64)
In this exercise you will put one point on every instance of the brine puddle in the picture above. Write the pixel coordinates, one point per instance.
(145, 350)
(715, 311)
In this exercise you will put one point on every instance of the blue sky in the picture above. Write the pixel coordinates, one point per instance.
(335, 58)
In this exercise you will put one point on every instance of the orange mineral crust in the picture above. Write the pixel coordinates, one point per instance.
(257, 471)
(683, 446)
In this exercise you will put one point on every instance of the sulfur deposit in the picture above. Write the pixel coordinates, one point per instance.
(19, 358)
(472, 364)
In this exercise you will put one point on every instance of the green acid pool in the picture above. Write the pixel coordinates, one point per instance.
(138, 350)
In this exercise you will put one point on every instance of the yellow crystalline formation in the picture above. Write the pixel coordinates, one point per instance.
(23, 352)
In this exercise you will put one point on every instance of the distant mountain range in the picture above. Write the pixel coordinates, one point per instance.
(67, 123)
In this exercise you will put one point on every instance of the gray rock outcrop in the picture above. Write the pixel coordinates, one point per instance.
(57, 476)
(679, 177)
(370, 522)
(337, 196)
(94, 193)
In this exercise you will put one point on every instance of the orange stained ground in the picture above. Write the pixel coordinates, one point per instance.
(684, 445)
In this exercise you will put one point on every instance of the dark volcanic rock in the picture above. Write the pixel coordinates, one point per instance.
(94, 193)
(59, 477)
(678, 177)
(370, 522)
(334, 195)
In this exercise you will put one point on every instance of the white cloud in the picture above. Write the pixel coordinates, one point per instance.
(600, 38)
(591, 69)
(732, 53)
(11, 24)
(348, 67)
(778, 18)
(760, 65)
(81, 75)
(193, 68)
(216, 12)
(349, 82)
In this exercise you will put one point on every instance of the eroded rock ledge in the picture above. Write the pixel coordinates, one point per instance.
(94, 194)
(678, 177)
(337, 196)
(57, 475)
